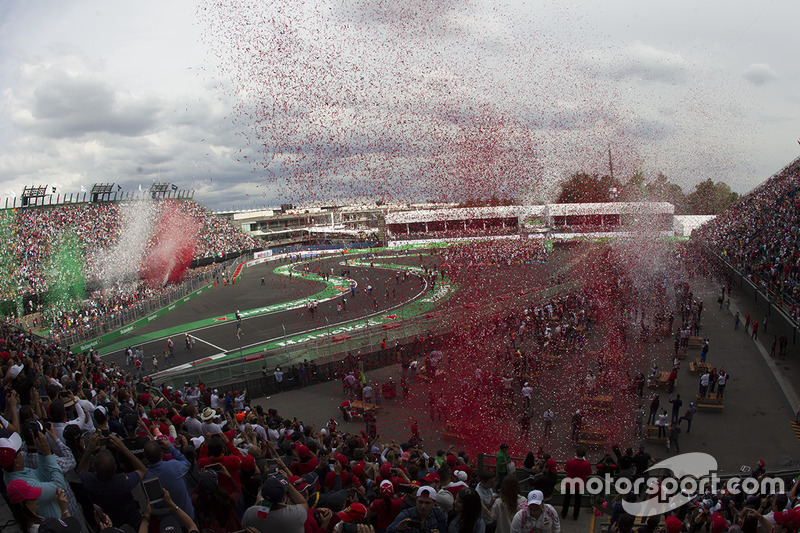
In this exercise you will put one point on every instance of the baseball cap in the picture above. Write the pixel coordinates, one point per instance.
(674, 524)
(535, 497)
(428, 492)
(18, 491)
(356, 511)
(387, 488)
(432, 477)
(178, 420)
(274, 490)
(303, 451)
(9, 448)
(460, 475)
(15, 370)
(718, 523)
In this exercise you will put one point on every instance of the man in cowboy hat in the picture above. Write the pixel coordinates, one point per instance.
(209, 418)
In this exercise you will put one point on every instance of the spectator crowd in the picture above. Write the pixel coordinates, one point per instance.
(760, 236)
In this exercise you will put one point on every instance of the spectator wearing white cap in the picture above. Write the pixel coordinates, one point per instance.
(537, 516)
(47, 476)
(422, 517)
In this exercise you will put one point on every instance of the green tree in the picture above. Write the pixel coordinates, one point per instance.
(709, 198)
(634, 189)
(587, 188)
(662, 190)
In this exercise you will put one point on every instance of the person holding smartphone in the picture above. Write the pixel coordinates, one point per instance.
(422, 517)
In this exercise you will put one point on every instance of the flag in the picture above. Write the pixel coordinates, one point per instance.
(119, 187)
(174, 187)
(83, 189)
(54, 190)
(140, 187)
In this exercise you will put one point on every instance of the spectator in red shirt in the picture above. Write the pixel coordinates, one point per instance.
(214, 454)
(577, 470)
(306, 461)
(385, 509)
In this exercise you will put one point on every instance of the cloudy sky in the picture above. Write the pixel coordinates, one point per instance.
(254, 103)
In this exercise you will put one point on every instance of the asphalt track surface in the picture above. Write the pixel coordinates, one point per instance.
(222, 301)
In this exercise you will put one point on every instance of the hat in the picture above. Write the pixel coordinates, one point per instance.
(155, 414)
(461, 475)
(789, 519)
(432, 477)
(303, 451)
(298, 483)
(342, 459)
(428, 492)
(386, 470)
(178, 420)
(66, 525)
(674, 524)
(718, 523)
(387, 488)
(535, 497)
(15, 370)
(18, 491)
(130, 421)
(358, 468)
(551, 465)
(68, 402)
(73, 432)
(9, 448)
(760, 463)
(207, 414)
(274, 490)
(356, 511)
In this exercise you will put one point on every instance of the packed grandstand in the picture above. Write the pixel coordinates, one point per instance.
(80, 435)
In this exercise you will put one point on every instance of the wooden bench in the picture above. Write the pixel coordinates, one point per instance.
(652, 433)
(712, 403)
(697, 367)
(592, 438)
(695, 342)
(661, 383)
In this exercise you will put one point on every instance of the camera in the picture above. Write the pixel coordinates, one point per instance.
(29, 430)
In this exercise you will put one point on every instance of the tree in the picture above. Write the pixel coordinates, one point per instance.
(634, 189)
(709, 198)
(587, 188)
(663, 190)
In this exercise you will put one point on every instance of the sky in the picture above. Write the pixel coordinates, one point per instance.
(253, 103)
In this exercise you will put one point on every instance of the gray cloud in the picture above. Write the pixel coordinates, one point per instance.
(639, 61)
(759, 74)
(65, 105)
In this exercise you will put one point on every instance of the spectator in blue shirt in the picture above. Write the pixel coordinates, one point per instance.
(171, 472)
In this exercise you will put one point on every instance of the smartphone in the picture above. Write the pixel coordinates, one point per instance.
(103, 441)
(152, 488)
(213, 467)
(100, 514)
(415, 524)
